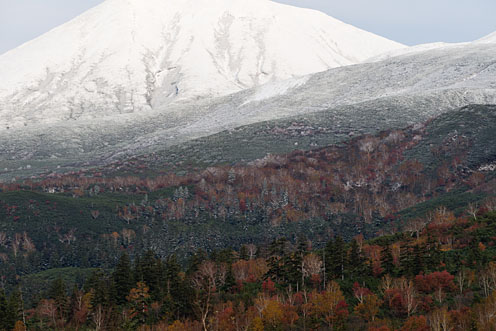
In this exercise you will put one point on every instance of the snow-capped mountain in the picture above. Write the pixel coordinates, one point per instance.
(128, 56)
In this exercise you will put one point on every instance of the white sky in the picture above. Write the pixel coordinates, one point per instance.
(407, 21)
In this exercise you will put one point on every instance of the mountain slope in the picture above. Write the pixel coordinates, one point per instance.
(390, 93)
(490, 38)
(128, 56)
(350, 188)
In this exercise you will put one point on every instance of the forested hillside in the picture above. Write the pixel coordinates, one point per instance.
(440, 275)
(69, 225)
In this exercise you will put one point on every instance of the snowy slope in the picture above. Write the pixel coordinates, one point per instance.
(397, 92)
(128, 56)
(491, 38)
(408, 51)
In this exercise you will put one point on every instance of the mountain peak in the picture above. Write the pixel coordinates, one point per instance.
(127, 56)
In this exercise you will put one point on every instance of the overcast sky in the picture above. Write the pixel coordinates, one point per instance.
(408, 21)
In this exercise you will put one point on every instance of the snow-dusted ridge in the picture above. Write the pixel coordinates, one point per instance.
(130, 56)
(489, 39)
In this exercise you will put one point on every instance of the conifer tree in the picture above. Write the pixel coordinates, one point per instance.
(172, 279)
(6, 314)
(229, 282)
(153, 274)
(387, 261)
(276, 261)
(356, 261)
(302, 244)
(406, 261)
(432, 258)
(336, 259)
(137, 270)
(476, 255)
(418, 260)
(292, 269)
(101, 287)
(58, 292)
(16, 306)
(123, 279)
(177, 291)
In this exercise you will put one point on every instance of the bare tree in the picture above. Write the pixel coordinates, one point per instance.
(485, 313)
(487, 279)
(98, 317)
(386, 284)
(206, 282)
(410, 295)
(439, 320)
(252, 251)
(490, 204)
(415, 226)
(472, 210)
(16, 243)
(312, 265)
(461, 279)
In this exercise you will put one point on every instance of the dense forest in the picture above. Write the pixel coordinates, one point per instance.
(440, 275)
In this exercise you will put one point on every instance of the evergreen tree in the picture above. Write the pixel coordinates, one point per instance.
(137, 270)
(302, 244)
(387, 261)
(277, 259)
(153, 274)
(58, 292)
(177, 291)
(475, 254)
(433, 258)
(16, 306)
(229, 282)
(293, 273)
(6, 314)
(172, 278)
(418, 260)
(356, 262)
(406, 261)
(123, 279)
(336, 259)
(101, 287)
(222, 256)
(243, 253)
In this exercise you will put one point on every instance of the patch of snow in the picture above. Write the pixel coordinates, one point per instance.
(488, 167)
(273, 89)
